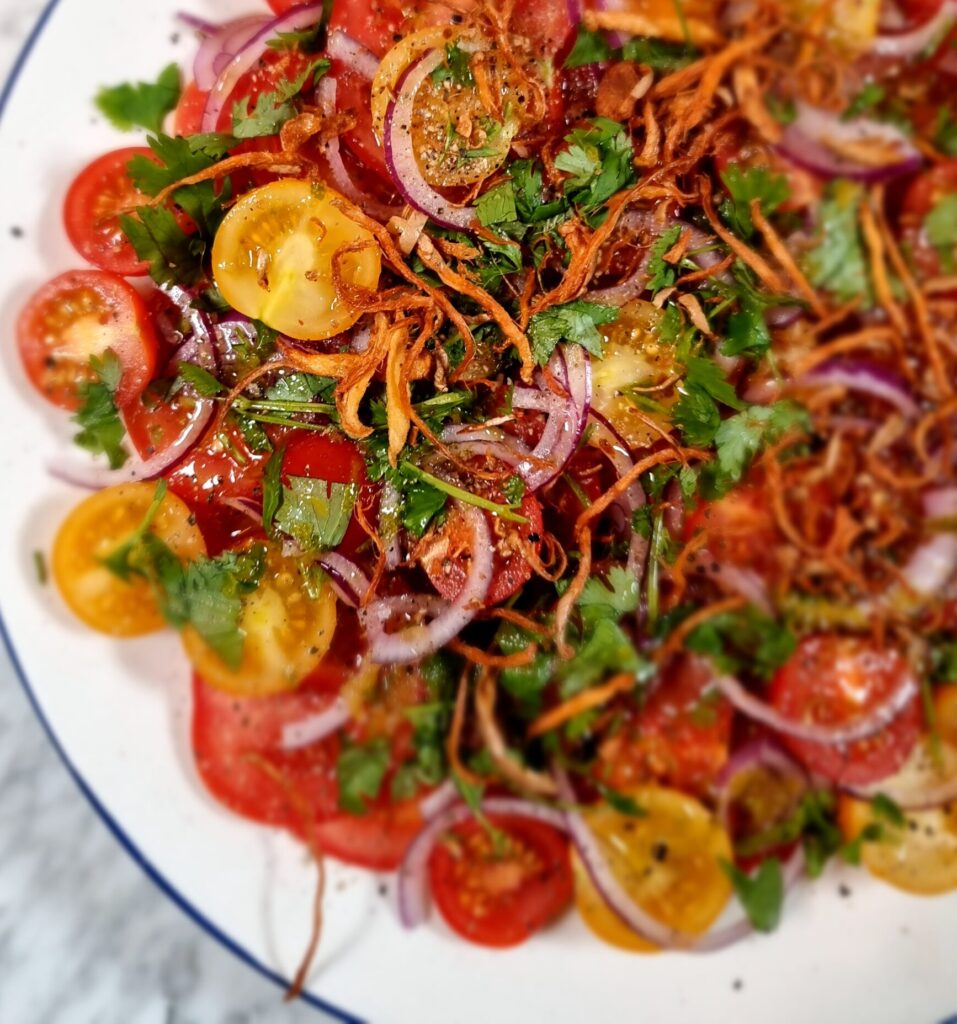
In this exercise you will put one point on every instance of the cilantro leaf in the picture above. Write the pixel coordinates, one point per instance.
(497, 205)
(613, 598)
(101, 429)
(143, 105)
(589, 48)
(421, 503)
(940, 226)
(657, 54)
(272, 488)
(302, 387)
(660, 273)
(696, 412)
(157, 238)
(870, 97)
(273, 109)
(744, 640)
(200, 380)
(316, 513)
(360, 771)
(576, 321)
(945, 132)
(747, 330)
(746, 184)
(838, 261)
(456, 67)
(621, 802)
(599, 162)
(608, 648)
(761, 894)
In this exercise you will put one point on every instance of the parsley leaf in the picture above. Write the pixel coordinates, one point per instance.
(316, 513)
(576, 321)
(940, 226)
(157, 238)
(360, 771)
(273, 109)
(744, 640)
(696, 412)
(747, 330)
(761, 894)
(589, 48)
(101, 429)
(662, 274)
(272, 488)
(200, 380)
(143, 105)
(838, 261)
(497, 205)
(657, 54)
(421, 503)
(599, 162)
(456, 67)
(746, 184)
(613, 598)
(607, 648)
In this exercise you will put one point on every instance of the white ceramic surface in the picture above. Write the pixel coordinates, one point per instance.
(119, 712)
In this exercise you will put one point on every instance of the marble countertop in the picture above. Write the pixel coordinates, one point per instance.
(85, 937)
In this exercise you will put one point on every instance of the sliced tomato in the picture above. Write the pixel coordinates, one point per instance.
(188, 116)
(237, 743)
(499, 888)
(679, 738)
(547, 27)
(448, 552)
(923, 195)
(353, 97)
(376, 840)
(586, 475)
(91, 213)
(740, 528)
(374, 24)
(284, 6)
(832, 680)
(78, 315)
(904, 15)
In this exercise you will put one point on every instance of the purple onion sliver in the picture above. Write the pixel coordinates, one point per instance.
(316, 728)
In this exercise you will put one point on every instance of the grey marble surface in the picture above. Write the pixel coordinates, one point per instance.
(85, 937)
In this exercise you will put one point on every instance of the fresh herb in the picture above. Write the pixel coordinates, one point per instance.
(661, 273)
(272, 488)
(783, 110)
(497, 205)
(199, 379)
(101, 429)
(747, 330)
(697, 413)
(40, 568)
(865, 102)
(744, 185)
(308, 40)
(945, 132)
(576, 322)
(744, 640)
(612, 597)
(590, 48)
(456, 68)
(658, 54)
(621, 802)
(888, 810)
(273, 109)
(599, 162)
(174, 257)
(940, 226)
(607, 648)
(143, 105)
(360, 771)
(761, 894)
(316, 513)
(302, 387)
(410, 471)
(421, 503)
(838, 261)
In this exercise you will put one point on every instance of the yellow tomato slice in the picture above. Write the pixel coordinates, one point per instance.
(919, 858)
(94, 530)
(273, 259)
(667, 861)
(286, 632)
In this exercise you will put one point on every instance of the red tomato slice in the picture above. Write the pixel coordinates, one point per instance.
(680, 737)
(283, 6)
(188, 116)
(353, 97)
(924, 193)
(498, 891)
(586, 474)
(374, 24)
(237, 743)
(547, 27)
(91, 213)
(904, 15)
(78, 315)
(449, 552)
(830, 680)
(376, 840)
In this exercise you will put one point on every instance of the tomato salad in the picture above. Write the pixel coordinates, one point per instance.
(539, 427)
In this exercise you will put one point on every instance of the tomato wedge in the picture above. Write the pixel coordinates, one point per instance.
(376, 840)
(353, 97)
(832, 680)
(78, 315)
(91, 213)
(498, 888)
(373, 24)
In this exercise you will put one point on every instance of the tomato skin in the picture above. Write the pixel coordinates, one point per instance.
(679, 738)
(547, 27)
(922, 196)
(99, 194)
(80, 314)
(188, 116)
(511, 570)
(353, 96)
(237, 747)
(833, 679)
(376, 840)
(284, 6)
(373, 24)
(502, 900)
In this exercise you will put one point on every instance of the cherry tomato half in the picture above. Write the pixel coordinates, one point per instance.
(832, 680)
(81, 314)
(499, 887)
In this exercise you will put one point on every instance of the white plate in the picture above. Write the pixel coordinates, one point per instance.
(118, 712)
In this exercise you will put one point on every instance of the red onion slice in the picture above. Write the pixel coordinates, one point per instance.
(316, 728)
(941, 503)
(763, 753)
(904, 45)
(805, 144)
(326, 98)
(418, 641)
(831, 735)
(865, 379)
(566, 423)
(400, 155)
(348, 581)
(353, 55)
(931, 567)
(413, 882)
(247, 58)
(221, 46)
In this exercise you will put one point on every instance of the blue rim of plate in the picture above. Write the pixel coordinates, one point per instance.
(114, 827)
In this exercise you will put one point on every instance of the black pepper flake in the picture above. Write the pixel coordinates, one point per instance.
(844, 890)
(383, 889)
(174, 38)
(660, 852)
(16, 232)
(737, 984)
